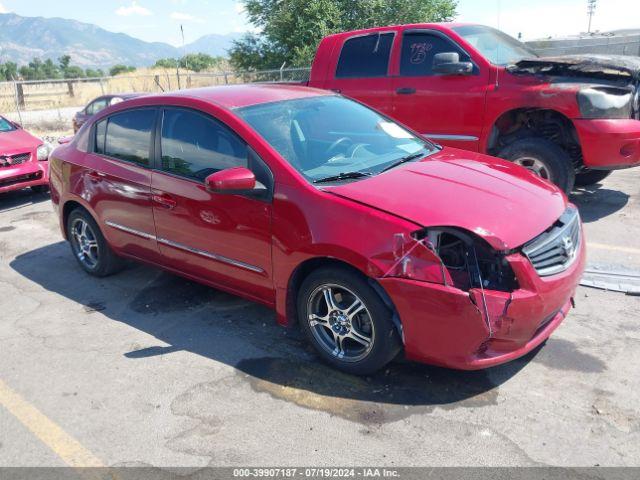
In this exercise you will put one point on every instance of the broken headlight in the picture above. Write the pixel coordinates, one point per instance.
(605, 102)
(469, 261)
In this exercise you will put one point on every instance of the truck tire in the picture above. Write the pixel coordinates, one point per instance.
(589, 177)
(544, 158)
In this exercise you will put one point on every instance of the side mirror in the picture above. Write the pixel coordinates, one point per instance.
(448, 63)
(231, 180)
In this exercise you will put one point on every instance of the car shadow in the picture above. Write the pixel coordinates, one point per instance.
(20, 198)
(186, 316)
(596, 202)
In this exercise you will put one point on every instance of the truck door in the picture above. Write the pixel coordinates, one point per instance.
(362, 70)
(449, 109)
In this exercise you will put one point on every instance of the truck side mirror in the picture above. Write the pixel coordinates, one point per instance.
(448, 63)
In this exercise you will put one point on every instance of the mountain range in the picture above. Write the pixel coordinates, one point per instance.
(25, 38)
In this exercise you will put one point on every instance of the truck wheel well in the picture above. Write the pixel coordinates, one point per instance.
(308, 266)
(536, 122)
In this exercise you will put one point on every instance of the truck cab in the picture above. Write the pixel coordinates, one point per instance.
(568, 119)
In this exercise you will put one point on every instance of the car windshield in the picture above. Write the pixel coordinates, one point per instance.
(331, 136)
(6, 125)
(498, 47)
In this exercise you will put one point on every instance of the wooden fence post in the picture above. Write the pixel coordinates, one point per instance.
(20, 94)
(70, 87)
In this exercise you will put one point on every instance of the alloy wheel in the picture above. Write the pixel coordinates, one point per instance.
(534, 165)
(340, 322)
(85, 244)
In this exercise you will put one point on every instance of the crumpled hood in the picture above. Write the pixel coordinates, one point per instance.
(497, 200)
(17, 141)
(600, 66)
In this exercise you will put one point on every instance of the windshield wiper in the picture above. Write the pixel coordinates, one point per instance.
(343, 176)
(404, 159)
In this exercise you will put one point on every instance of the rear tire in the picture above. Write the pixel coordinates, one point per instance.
(357, 338)
(544, 158)
(590, 177)
(89, 246)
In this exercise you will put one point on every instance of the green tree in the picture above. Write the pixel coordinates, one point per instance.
(73, 72)
(193, 61)
(166, 63)
(90, 72)
(118, 69)
(292, 29)
(64, 62)
(8, 71)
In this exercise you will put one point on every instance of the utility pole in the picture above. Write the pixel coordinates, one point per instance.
(591, 10)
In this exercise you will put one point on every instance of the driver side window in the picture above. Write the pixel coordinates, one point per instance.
(195, 146)
(418, 50)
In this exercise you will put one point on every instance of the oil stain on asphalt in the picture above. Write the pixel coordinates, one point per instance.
(398, 392)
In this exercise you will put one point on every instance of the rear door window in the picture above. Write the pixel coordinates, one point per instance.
(194, 145)
(418, 50)
(365, 56)
(128, 135)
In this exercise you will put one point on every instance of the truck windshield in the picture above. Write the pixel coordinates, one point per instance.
(330, 138)
(6, 125)
(496, 46)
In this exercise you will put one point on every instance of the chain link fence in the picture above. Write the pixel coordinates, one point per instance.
(50, 104)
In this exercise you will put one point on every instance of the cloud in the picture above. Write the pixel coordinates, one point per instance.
(3, 9)
(133, 9)
(185, 17)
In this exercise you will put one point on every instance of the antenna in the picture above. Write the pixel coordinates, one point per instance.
(591, 11)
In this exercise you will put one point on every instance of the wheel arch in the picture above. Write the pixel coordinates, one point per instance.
(69, 206)
(306, 267)
(549, 123)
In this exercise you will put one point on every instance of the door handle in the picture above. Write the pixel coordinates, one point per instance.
(406, 91)
(164, 200)
(95, 177)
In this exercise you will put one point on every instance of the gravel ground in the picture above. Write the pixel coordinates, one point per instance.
(145, 368)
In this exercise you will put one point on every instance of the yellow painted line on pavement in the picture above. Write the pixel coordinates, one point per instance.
(48, 432)
(613, 248)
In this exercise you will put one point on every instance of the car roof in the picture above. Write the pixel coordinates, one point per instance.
(237, 96)
(124, 96)
(433, 25)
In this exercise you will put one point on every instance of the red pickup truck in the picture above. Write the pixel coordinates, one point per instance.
(570, 119)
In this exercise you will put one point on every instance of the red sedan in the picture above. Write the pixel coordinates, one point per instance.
(369, 237)
(23, 159)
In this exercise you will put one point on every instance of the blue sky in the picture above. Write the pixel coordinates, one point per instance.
(159, 20)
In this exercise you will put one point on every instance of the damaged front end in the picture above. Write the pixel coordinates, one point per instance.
(615, 92)
(489, 306)
(467, 264)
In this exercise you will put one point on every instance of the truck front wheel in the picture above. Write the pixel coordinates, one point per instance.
(544, 158)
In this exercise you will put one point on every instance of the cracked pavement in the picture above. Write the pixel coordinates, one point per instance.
(145, 368)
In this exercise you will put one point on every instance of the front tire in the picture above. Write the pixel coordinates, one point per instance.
(346, 321)
(590, 177)
(89, 246)
(544, 158)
